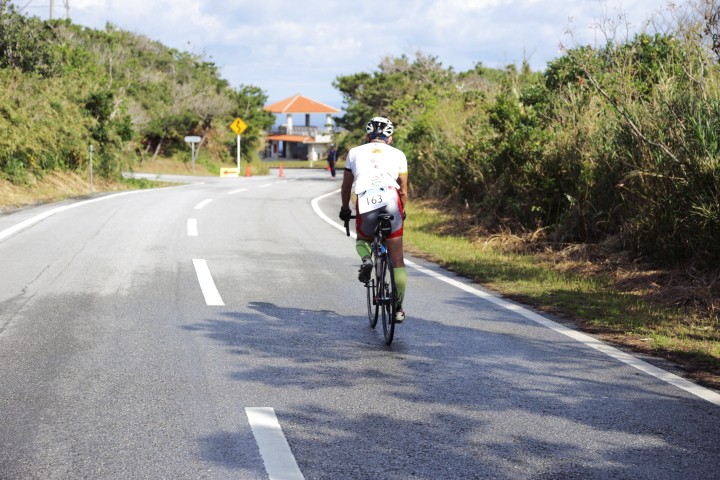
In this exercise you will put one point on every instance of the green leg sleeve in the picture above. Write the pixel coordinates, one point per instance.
(400, 282)
(363, 248)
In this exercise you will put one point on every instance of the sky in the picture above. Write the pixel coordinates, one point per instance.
(288, 47)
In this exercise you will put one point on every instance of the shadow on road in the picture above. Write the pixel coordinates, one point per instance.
(451, 402)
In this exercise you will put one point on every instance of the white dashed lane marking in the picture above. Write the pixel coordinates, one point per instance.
(192, 227)
(207, 285)
(266, 185)
(203, 203)
(279, 461)
(237, 191)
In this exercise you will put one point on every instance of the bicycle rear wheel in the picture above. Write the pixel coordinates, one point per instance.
(386, 298)
(373, 308)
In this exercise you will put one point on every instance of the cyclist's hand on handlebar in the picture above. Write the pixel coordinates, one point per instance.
(404, 215)
(345, 215)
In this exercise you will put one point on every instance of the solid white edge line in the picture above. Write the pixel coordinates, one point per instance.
(207, 285)
(668, 377)
(275, 451)
(237, 191)
(37, 218)
(320, 214)
(203, 203)
(672, 379)
(192, 227)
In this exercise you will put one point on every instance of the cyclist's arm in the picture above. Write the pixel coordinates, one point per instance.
(403, 182)
(348, 178)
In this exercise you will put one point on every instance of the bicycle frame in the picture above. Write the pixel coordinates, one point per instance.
(381, 290)
(380, 255)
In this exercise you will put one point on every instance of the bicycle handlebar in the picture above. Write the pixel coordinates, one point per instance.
(347, 225)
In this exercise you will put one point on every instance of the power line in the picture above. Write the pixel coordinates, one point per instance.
(26, 6)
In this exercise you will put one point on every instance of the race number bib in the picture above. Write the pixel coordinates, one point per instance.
(373, 199)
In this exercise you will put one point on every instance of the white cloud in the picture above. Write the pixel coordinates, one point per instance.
(287, 46)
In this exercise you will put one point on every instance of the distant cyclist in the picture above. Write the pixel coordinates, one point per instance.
(377, 165)
(332, 158)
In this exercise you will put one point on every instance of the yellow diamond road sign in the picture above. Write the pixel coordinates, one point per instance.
(238, 126)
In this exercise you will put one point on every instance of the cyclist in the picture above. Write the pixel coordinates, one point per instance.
(380, 174)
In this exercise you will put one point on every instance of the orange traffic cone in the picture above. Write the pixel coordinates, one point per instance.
(247, 170)
(281, 174)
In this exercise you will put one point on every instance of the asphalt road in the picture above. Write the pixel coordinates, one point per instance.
(113, 365)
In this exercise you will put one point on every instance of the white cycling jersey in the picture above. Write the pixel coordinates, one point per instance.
(376, 165)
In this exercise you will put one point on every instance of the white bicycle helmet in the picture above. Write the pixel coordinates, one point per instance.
(379, 125)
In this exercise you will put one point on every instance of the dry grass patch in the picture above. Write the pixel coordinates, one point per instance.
(168, 166)
(173, 166)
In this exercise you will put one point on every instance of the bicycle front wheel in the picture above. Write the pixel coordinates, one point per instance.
(372, 305)
(386, 298)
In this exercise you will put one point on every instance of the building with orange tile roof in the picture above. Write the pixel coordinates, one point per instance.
(300, 104)
(300, 141)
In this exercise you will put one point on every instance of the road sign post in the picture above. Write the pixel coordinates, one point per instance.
(91, 175)
(238, 126)
(192, 141)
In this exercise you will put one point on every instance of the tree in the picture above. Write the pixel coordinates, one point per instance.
(25, 42)
(249, 101)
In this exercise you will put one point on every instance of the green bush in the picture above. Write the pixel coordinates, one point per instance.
(64, 87)
(618, 141)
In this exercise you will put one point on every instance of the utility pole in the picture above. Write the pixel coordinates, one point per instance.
(52, 9)
(91, 173)
(67, 9)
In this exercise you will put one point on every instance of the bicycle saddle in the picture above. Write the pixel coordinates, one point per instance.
(386, 216)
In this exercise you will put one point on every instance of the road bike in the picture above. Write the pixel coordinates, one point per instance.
(381, 291)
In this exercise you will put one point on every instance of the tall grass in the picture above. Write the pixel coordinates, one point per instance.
(619, 141)
(43, 125)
